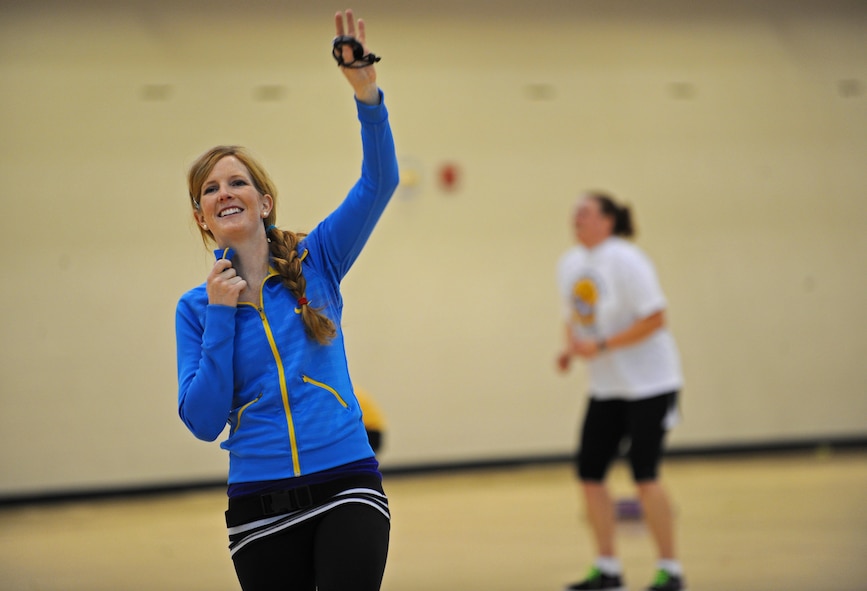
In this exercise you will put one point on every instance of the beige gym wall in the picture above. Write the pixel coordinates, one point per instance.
(738, 133)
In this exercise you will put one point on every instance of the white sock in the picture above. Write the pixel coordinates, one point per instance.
(610, 565)
(672, 567)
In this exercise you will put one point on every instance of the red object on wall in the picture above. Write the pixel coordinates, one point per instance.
(449, 177)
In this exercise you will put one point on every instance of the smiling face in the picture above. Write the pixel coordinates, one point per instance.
(230, 206)
(591, 225)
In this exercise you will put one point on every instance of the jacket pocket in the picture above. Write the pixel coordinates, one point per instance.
(327, 388)
(240, 412)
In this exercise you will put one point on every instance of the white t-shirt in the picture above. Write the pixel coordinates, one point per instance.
(605, 290)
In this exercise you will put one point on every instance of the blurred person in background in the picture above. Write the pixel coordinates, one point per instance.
(614, 311)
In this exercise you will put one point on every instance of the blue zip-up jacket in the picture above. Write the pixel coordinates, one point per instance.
(288, 400)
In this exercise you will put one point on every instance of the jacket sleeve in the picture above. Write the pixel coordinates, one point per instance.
(343, 234)
(205, 343)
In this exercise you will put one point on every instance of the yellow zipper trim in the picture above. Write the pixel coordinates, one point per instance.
(243, 408)
(326, 387)
(284, 392)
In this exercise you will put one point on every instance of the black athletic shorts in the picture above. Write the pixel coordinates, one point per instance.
(610, 424)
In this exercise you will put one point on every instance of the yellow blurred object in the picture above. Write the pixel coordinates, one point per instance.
(373, 418)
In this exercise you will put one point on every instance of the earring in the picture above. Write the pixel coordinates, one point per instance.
(204, 226)
(264, 214)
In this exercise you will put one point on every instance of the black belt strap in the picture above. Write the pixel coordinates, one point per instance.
(251, 507)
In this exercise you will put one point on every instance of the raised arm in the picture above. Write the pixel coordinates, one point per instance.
(341, 236)
(361, 76)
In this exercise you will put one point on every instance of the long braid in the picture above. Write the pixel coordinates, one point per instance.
(284, 256)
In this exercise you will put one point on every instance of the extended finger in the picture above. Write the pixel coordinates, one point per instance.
(338, 24)
(361, 34)
(350, 22)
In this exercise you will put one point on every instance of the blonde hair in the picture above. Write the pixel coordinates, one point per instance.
(282, 243)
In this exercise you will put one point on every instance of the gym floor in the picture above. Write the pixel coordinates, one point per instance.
(757, 523)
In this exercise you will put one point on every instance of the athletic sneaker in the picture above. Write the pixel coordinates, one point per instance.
(596, 579)
(665, 581)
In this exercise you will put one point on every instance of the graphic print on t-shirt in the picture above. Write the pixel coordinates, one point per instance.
(585, 298)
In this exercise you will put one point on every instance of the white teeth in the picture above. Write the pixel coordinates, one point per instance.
(230, 211)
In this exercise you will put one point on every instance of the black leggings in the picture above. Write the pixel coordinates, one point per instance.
(344, 548)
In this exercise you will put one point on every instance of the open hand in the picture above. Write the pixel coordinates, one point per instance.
(363, 80)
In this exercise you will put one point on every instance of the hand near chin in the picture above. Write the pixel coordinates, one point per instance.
(224, 285)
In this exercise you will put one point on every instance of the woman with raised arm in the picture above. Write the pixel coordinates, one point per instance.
(260, 347)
